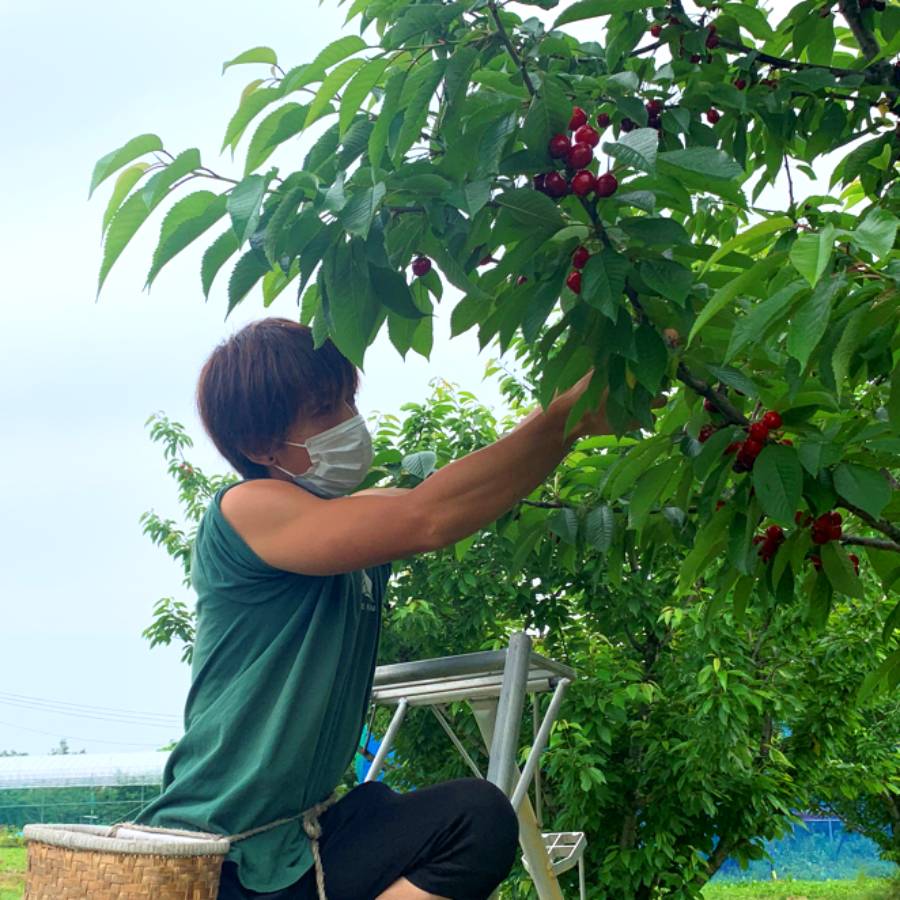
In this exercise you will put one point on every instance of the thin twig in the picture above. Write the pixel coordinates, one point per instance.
(876, 543)
(730, 412)
(511, 49)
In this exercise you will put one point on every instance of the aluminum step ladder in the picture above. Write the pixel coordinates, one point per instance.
(494, 683)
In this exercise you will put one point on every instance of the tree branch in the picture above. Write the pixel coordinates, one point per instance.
(882, 525)
(866, 40)
(731, 413)
(511, 50)
(877, 543)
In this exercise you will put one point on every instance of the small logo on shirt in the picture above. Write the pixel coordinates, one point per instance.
(367, 600)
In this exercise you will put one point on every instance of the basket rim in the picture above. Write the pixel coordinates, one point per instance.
(94, 838)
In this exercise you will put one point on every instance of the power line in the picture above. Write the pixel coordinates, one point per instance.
(75, 737)
(122, 719)
(88, 708)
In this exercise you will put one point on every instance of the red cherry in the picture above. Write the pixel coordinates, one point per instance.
(603, 120)
(709, 406)
(819, 537)
(606, 185)
(579, 118)
(587, 135)
(772, 420)
(559, 146)
(695, 58)
(719, 504)
(751, 448)
(556, 185)
(656, 30)
(538, 183)
(580, 257)
(421, 266)
(740, 83)
(712, 40)
(758, 539)
(713, 115)
(713, 28)
(521, 279)
(758, 432)
(732, 448)
(654, 121)
(775, 533)
(573, 282)
(835, 532)
(583, 183)
(787, 442)
(835, 518)
(579, 155)
(655, 106)
(706, 432)
(855, 560)
(817, 562)
(626, 124)
(486, 261)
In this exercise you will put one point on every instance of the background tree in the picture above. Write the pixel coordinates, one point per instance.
(696, 731)
(594, 205)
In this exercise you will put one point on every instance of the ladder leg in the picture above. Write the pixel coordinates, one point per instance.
(530, 838)
(386, 742)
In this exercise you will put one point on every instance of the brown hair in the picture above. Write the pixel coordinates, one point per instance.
(256, 385)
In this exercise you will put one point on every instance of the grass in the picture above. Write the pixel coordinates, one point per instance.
(858, 889)
(12, 886)
(12, 873)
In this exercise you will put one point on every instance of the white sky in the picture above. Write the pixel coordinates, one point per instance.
(78, 379)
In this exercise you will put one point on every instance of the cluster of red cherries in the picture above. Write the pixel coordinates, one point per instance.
(758, 435)
(770, 541)
(577, 153)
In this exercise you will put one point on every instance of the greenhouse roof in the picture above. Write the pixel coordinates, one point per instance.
(82, 770)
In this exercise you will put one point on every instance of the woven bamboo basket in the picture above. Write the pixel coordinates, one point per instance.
(92, 862)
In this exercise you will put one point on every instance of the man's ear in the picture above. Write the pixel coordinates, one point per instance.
(263, 458)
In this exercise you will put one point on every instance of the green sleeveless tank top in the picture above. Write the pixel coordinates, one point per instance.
(280, 683)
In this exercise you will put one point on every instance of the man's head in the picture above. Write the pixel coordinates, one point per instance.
(266, 385)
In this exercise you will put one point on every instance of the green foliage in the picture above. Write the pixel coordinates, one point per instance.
(438, 117)
(699, 724)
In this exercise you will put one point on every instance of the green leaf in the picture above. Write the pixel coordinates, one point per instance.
(839, 569)
(331, 84)
(159, 185)
(604, 281)
(421, 464)
(653, 358)
(358, 89)
(708, 162)
(810, 320)
(655, 231)
(390, 107)
(876, 233)
(669, 279)
(751, 18)
(851, 337)
(880, 678)
(254, 55)
(185, 222)
(353, 307)
(216, 255)
(392, 290)
(249, 107)
(533, 209)
(276, 128)
(752, 327)
(599, 527)
(333, 54)
(113, 161)
(418, 91)
(710, 540)
(127, 179)
(360, 209)
(244, 203)
(248, 270)
(125, 223)
(755, 275)
(778, 479)
(749, 236)
(564, 524)
(648, 489)
(589, 9)
(894, 400)
(279, 226)
(863, 487)
(547, 115)
(811, 253)
(636, 148)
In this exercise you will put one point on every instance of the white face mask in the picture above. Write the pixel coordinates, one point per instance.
(341, 458)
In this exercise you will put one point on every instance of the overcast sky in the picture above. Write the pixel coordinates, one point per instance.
(78, 379)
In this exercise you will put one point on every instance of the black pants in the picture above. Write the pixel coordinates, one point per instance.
(456, 840)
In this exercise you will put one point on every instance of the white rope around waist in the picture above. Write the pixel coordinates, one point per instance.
(311, 826)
